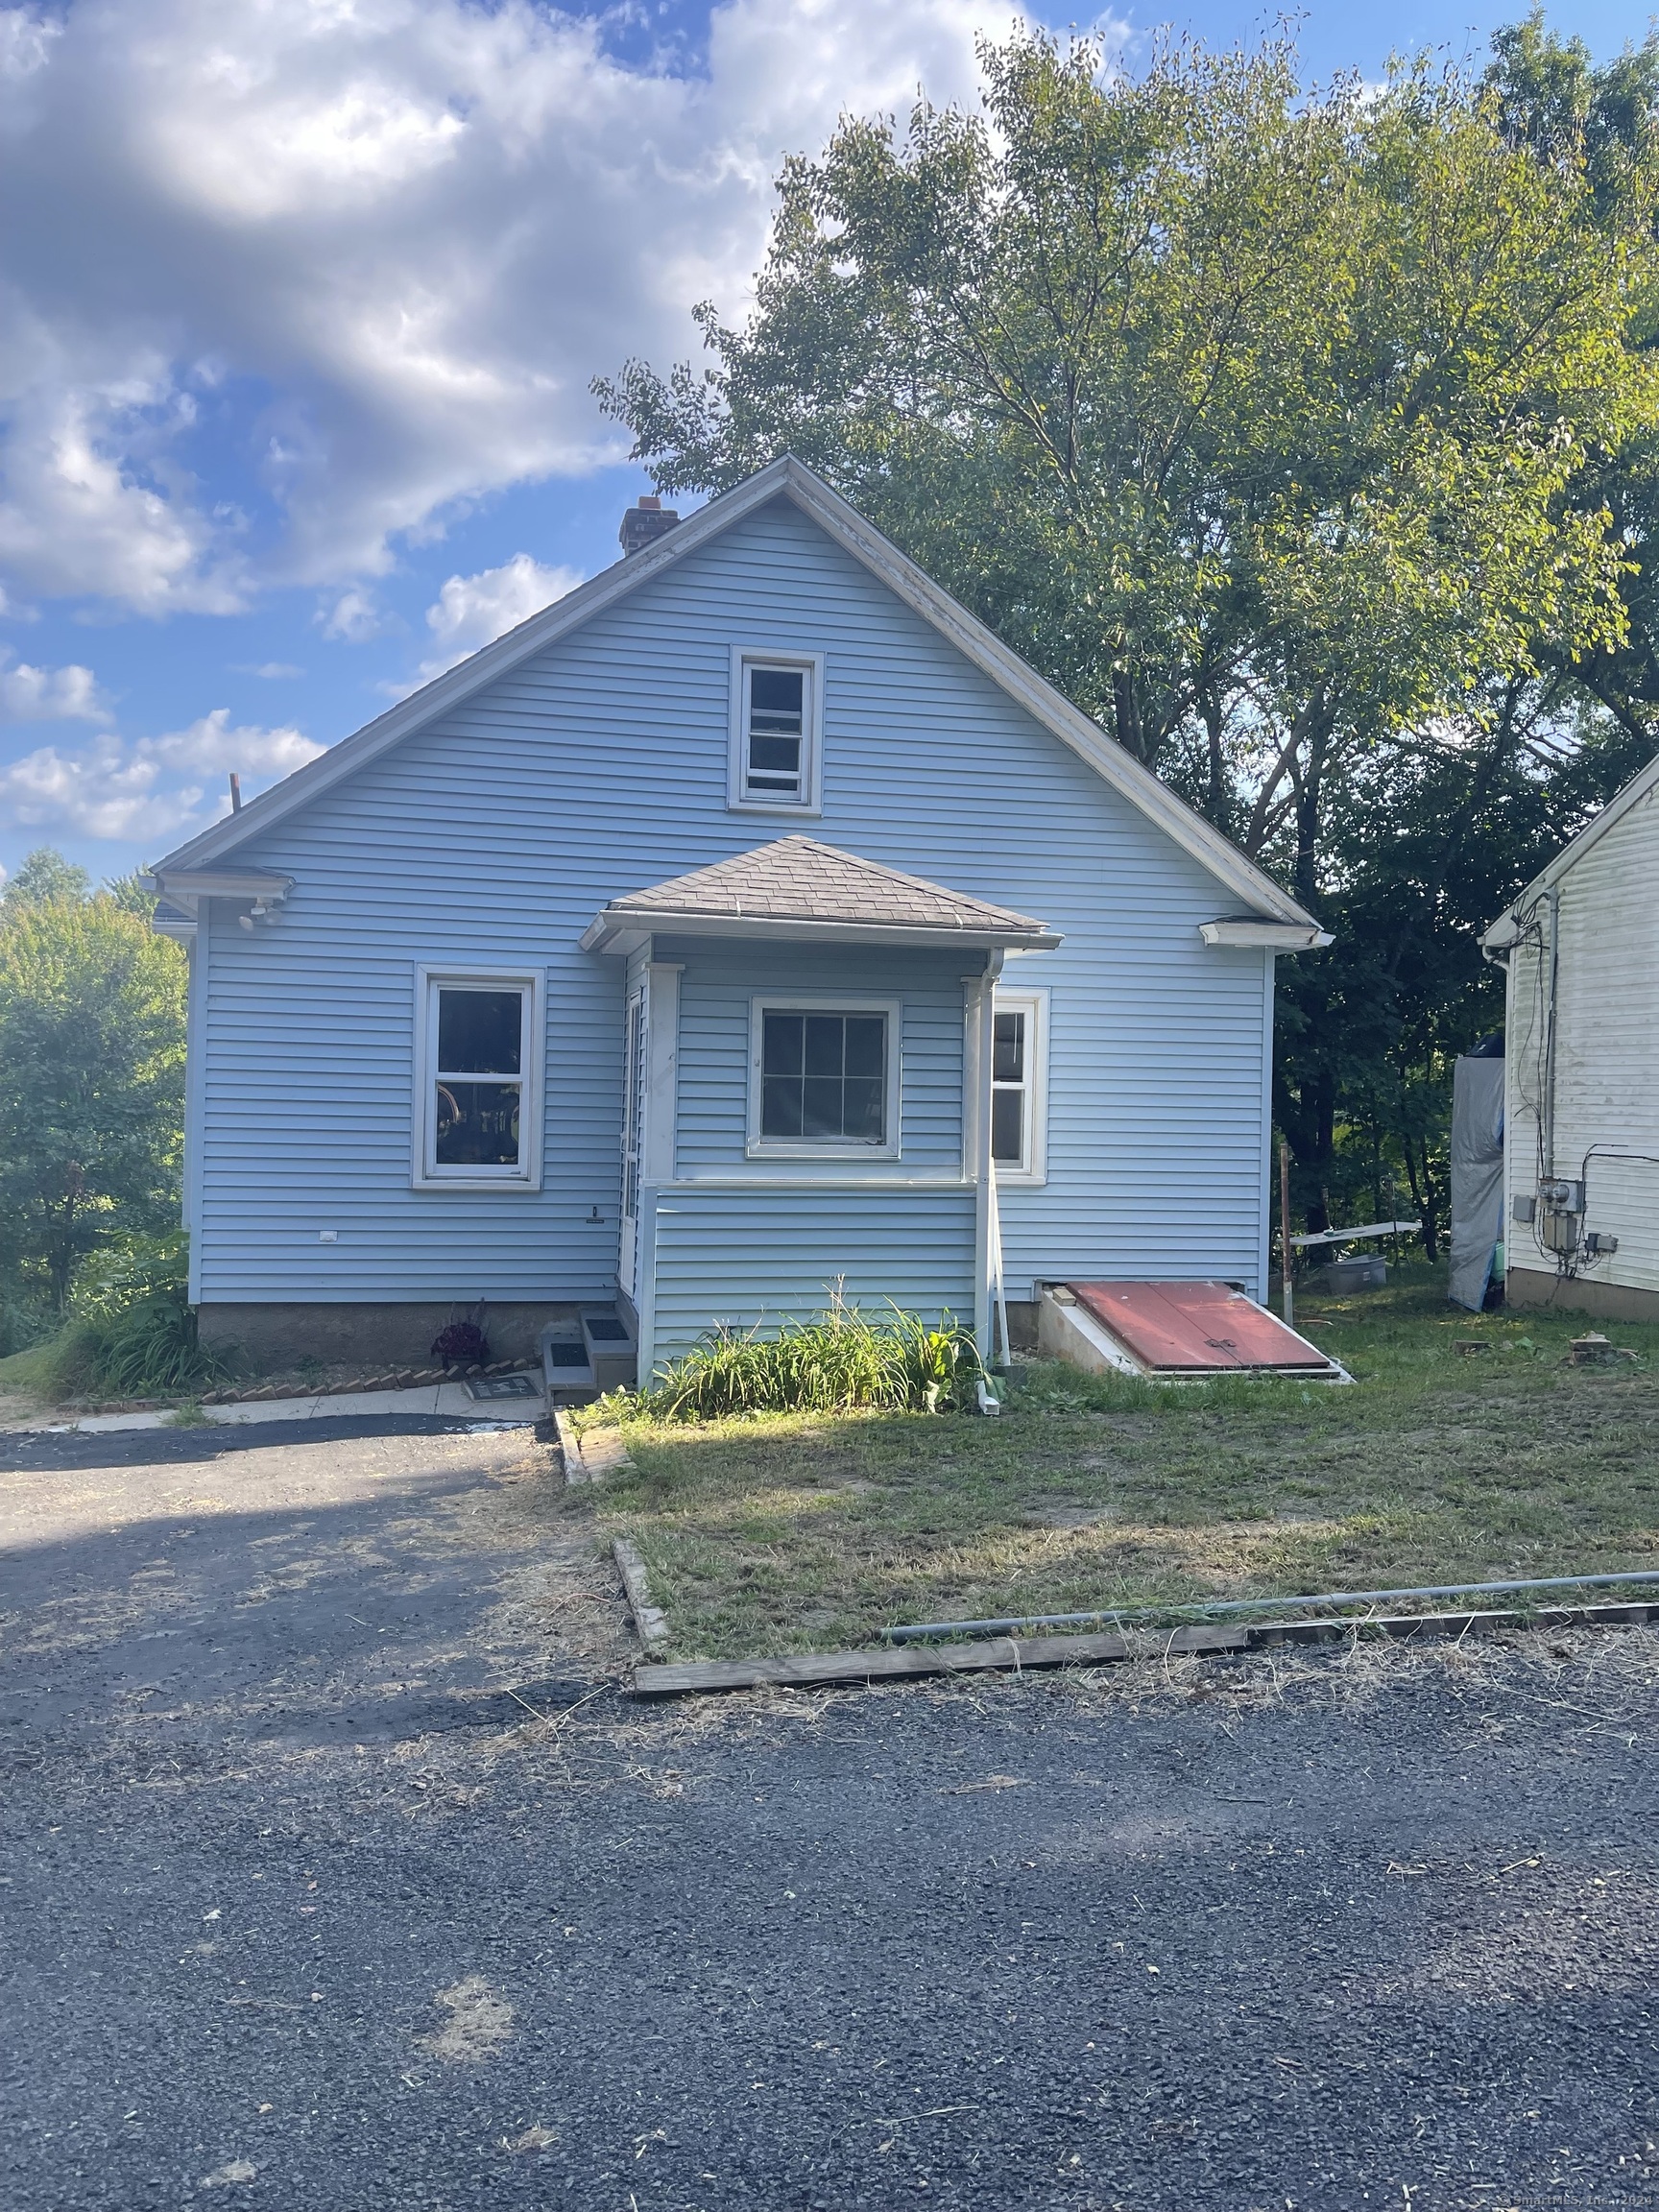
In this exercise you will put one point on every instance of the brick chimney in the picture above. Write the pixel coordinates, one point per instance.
(643, 525)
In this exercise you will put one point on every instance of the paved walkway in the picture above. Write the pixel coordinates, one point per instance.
(447, 1401)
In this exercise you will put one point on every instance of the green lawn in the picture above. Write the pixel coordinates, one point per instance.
(814, 1531)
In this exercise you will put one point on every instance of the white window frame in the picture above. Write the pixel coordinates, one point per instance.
(1034, 1005)
(425, 1173)
(843, 1148)
(741, 801)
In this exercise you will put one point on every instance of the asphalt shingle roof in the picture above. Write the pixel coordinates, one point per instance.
(798, 879)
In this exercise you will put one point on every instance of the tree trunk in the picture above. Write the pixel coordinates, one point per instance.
(1219, 804)
(61, 1242)
(1127, 715)
(1422, 1197)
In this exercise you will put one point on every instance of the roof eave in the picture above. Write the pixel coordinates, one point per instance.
(1252, 932)
(186, 887)
(621, 931)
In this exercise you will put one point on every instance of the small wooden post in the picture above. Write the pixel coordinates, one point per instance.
(1284, 1232)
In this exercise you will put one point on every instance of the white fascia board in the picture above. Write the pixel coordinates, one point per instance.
(625, 933)
(1502, 933)
(785, 478)
(1266, 936)
(182, 883)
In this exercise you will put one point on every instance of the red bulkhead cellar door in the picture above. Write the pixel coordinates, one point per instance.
(1191, 1326)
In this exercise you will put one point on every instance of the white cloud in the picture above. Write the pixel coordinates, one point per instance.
(272, 671)
(382, 246)
(147, 787)
(470, 611)
(210, 743)
(354, 616)
(94, 500)
(66, 694)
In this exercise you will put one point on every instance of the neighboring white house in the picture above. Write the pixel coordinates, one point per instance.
(1581, 946)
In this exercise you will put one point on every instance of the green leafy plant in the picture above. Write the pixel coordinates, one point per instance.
(132, 1330)
(843, 1359)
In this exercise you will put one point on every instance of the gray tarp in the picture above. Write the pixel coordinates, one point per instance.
(1477, 1178)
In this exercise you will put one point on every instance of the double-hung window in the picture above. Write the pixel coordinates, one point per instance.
(1019, 1084)
(823, 1078)
(776, 715)
(477, 1111)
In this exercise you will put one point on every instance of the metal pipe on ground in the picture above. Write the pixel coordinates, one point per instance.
(922, 1631)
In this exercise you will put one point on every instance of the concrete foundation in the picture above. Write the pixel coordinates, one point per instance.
(1023, 1324)
(1607, 1300)
(266, 1340)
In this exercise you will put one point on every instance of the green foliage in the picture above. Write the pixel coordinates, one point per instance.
(129, 1270)
(843, 1361)
(91, 1075)
(46, 875)
(131, 1332)
(1308, 440)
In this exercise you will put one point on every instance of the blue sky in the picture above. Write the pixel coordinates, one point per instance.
(295, 341)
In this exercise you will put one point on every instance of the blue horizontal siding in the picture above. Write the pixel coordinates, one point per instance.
(757, 1258)
(716, 985)
(599, 767)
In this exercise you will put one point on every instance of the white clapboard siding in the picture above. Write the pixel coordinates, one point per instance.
(1606, 1050)
(600, 767)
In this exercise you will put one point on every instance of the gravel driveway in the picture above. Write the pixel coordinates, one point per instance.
(303, 1907)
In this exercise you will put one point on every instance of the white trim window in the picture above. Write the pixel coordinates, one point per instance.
(823, 1078)
(1019, 1085)
(777, 727)
(477, 1079)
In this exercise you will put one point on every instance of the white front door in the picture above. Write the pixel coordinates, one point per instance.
(632, 1127)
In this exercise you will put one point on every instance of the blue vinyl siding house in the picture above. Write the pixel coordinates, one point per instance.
(749, 921)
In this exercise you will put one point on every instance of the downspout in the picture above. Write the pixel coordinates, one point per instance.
(999, 1289)
(1553, 898)
(980, 1036)
(659, 1138)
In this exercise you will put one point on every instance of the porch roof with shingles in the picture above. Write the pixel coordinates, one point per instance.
(799, 881)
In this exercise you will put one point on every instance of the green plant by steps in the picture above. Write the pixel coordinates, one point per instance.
(843, 1359)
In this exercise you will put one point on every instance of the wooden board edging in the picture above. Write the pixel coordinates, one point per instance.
(908, 1662)
(891, 1664)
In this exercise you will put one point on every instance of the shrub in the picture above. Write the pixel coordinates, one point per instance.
(462, 1344)
(841, 1361)
(132, 1330)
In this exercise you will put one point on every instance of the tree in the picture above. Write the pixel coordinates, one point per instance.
(1296, 436)
(46, 874)
(91, 1074)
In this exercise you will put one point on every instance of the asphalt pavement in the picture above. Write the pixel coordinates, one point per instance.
(338, 1871)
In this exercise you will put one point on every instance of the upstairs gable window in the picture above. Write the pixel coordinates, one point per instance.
(777, 704)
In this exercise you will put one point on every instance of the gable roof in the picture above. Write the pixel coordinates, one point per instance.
(1640, 786)
(784, 479)
(798, 882)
